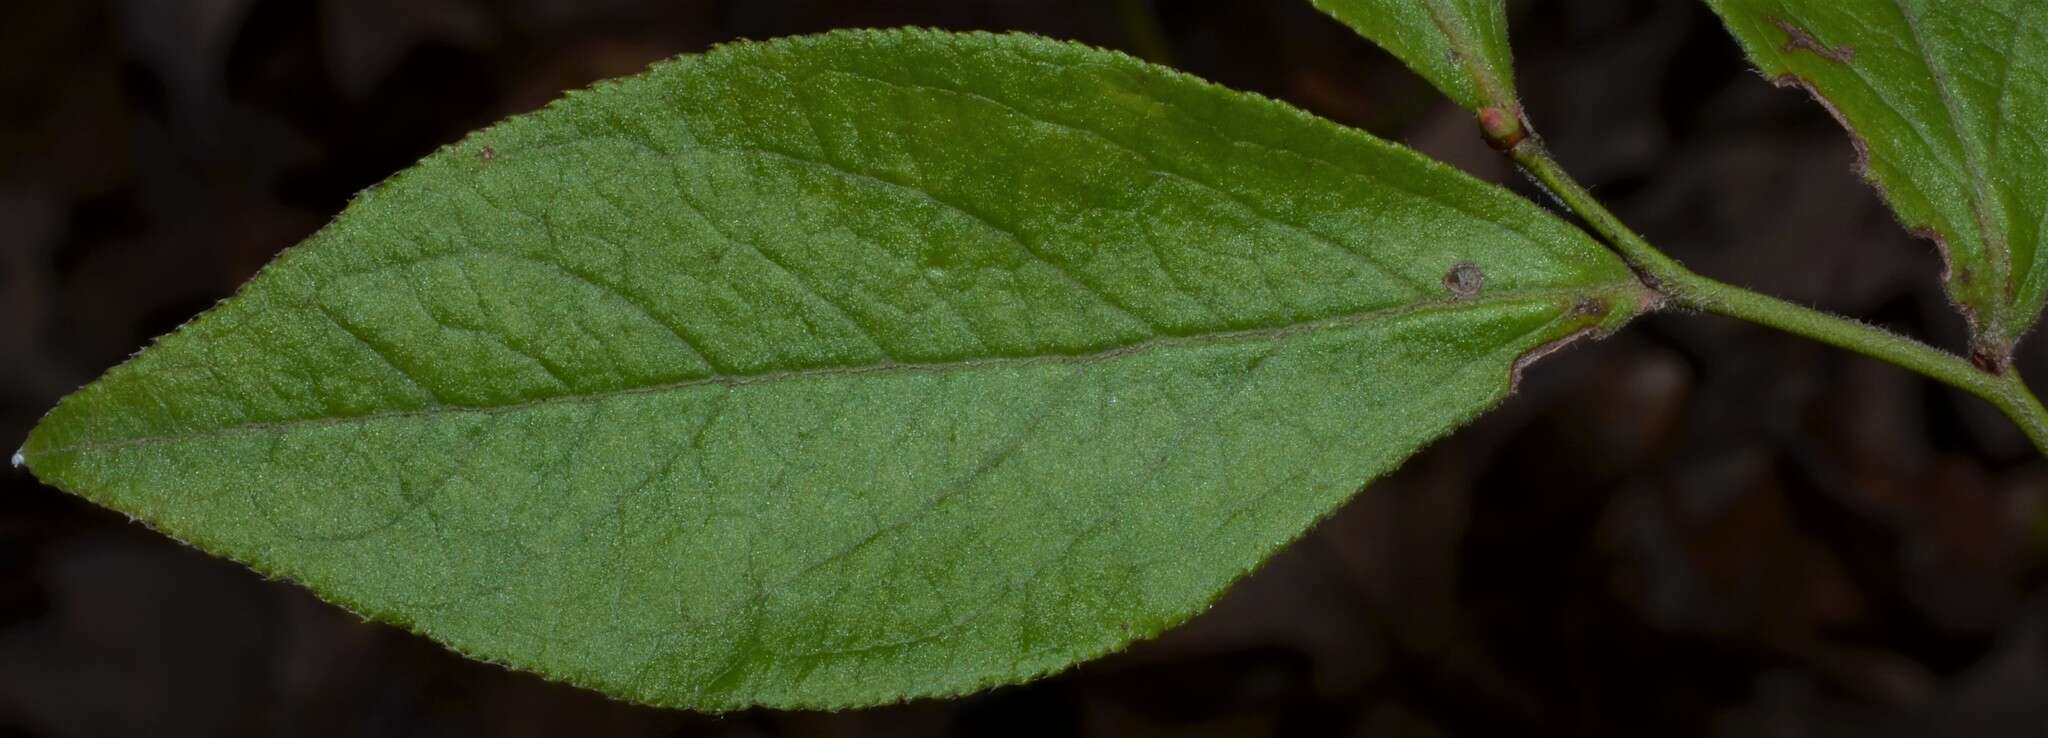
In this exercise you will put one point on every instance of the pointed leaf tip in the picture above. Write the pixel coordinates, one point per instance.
(837, 370)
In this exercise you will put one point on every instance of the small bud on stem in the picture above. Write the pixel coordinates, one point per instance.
(1502, 127)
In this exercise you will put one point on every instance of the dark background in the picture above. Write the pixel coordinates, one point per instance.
(1695, 528)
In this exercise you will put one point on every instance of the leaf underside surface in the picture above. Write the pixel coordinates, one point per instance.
(837, 370)
(1946, 99)
(1461, 46)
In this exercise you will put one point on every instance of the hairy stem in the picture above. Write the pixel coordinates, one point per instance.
(2003, 389)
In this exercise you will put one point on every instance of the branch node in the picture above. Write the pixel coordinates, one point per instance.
(1503, 127)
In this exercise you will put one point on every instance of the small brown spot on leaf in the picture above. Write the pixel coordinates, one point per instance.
(487, 153)
(1798, 39)
(1464, 280)
(1590, 306)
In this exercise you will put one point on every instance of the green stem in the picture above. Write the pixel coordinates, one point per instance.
(2003, 389)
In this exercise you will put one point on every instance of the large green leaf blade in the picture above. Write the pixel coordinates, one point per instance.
(1461, 46)
(836, 370)
(1947, 100)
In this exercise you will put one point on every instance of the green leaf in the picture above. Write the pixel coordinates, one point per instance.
(1947, 100)
(1461, 46)
(836, 370)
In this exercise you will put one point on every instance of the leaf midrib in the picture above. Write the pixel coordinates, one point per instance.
(1995, 238)
(1478, 71)
(1557, 295)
